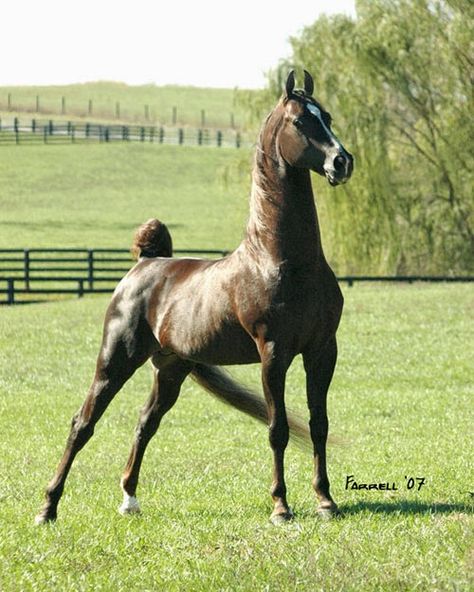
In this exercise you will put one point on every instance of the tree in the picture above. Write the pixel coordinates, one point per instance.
(399, 80)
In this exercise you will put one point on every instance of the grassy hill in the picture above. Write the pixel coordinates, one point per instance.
(95, 195)
(219, 105)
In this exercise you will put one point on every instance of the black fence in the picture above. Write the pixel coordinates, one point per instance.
(37, 272)
(32, 274)
(40, 131)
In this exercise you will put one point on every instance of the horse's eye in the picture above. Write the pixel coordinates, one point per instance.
(298, 123)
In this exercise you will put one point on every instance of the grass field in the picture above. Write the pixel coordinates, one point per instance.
(219, 104)
(401, 400)
(95, 195)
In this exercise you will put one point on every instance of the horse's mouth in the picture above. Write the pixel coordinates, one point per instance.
(340, 174)
(334, 181)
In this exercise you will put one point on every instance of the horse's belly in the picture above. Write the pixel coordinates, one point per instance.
(225, 344)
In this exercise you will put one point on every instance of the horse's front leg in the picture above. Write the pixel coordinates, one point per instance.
(274, 367)
(319, 366)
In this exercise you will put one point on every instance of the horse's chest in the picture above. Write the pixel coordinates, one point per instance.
(300, 302)
(303, 306)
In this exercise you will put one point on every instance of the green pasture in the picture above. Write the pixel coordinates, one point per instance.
(219, 105)
(401, 403)
(95, 195)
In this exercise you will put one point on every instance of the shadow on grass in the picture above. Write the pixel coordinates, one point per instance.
(405, 507)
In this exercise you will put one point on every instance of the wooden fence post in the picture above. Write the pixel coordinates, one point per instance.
(11, 291)
(45, 134)
(63, 105)
(9, 107)
(33, 126)
(152, 134)
(37, 104)
(17, 130)
(26, 268)
(199, 138)
(161, 135)
(51, 127)
(180, 136)
(80, 288)
(219, 138)
(203, 118)
(90, 268)
(237, 140)
(90, 107)
(142, 134)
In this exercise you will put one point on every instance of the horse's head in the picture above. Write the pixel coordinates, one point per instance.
(306, 140)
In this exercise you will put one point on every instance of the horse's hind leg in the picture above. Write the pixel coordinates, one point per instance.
(115, 365)
(168, 378)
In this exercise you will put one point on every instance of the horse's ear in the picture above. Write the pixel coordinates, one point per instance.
(290, 84)
(308, 84)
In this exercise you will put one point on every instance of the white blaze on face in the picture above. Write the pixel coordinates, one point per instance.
(314, 110)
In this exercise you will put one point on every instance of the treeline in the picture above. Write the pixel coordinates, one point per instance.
(398, 80)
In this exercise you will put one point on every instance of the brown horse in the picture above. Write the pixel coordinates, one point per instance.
(273, 298)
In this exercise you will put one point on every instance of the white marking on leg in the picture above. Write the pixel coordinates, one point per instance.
(129, 505)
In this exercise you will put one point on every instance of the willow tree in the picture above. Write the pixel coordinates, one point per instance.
(398, 80)
(421, 55)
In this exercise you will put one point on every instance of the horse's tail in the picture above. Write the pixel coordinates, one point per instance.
(220, 384)
(152, 239)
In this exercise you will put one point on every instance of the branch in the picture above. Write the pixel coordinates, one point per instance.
(415, 144)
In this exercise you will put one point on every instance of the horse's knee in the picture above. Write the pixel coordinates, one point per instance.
(319, 424)
(279, 434)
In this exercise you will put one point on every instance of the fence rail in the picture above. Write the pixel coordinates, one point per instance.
(41, 131)
(30, 272)
(68, 271)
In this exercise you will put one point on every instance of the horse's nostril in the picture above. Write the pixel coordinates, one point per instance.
(339, 163)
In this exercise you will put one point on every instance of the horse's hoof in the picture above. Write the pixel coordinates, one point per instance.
(129, 505)
(329, 512)
(282, 517)
(44, 518)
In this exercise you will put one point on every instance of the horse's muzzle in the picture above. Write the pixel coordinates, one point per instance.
(340, 169)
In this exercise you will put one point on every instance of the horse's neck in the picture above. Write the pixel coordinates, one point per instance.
(283, 222)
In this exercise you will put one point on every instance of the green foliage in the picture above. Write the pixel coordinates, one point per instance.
(401, 400)
(398, 80)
